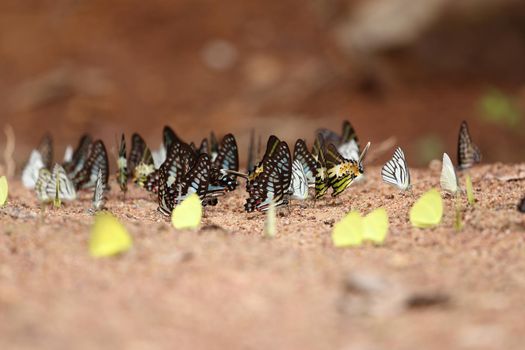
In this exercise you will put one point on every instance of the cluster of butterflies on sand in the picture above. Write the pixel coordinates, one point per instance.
(179, 169)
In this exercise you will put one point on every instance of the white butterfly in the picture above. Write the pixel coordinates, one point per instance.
(33, 166)
(68, 154)
(159, 156)
(299, 184)
(349, 150)
(395, 172)
(48, 184)
(449, 179)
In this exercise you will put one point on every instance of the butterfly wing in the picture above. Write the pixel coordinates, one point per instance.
(321, 176)
(395, 171)
(349, 144)
(99, 197)
(122, 163)
(299, 184)
(196, 179)
(448, 180)
(227, 159)
(97, 160)
(66, 187)
(79, 156)
(306, 159)
(31, 170)
(468, 153)
(341, 172)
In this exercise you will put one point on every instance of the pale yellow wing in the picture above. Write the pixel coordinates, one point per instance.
(428, 210)
(108, 236)
(4, 190)
(375, 226)
(348, 232)
(188, 214)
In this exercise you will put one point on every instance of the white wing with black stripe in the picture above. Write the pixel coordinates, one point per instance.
(395, 172)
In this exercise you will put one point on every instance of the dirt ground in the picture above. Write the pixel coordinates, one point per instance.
(228, 287)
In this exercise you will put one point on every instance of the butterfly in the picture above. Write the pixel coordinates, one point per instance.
(178, 179)
(395, 172)
(354, 229)
(99, 197)
(448, 180)
(108, 236)
(32, 168)
(306, 159)
(299, 183)
(188, 214)
(468, 153)
(79, 157)
(272, 180)
(122, 164)
(169, 137)
(227, 159)
(428, 210)
(97, 160)
(55, 186)
(341, 171)
(139, 154)
(347, 144)
(321, 176)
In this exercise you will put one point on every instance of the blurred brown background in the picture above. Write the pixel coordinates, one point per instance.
(404, 68)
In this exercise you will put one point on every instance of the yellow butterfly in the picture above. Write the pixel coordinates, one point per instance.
(353, 229)
(188, 214)
(108, 236)
(470, 192)
(4, 190)
(428, 210)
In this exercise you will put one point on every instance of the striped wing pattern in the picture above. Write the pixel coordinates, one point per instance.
(395, 172)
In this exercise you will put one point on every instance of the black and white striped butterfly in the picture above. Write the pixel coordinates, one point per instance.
(227, 159)
(271, 179)
(139, 154)
(97, 160)
(468, 153)
(55, 186)
(395, 172)
(79, 157)
(176, 182)
(299, 184)
(306, 159)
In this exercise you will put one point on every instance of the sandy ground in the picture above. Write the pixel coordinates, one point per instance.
(228, 287)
